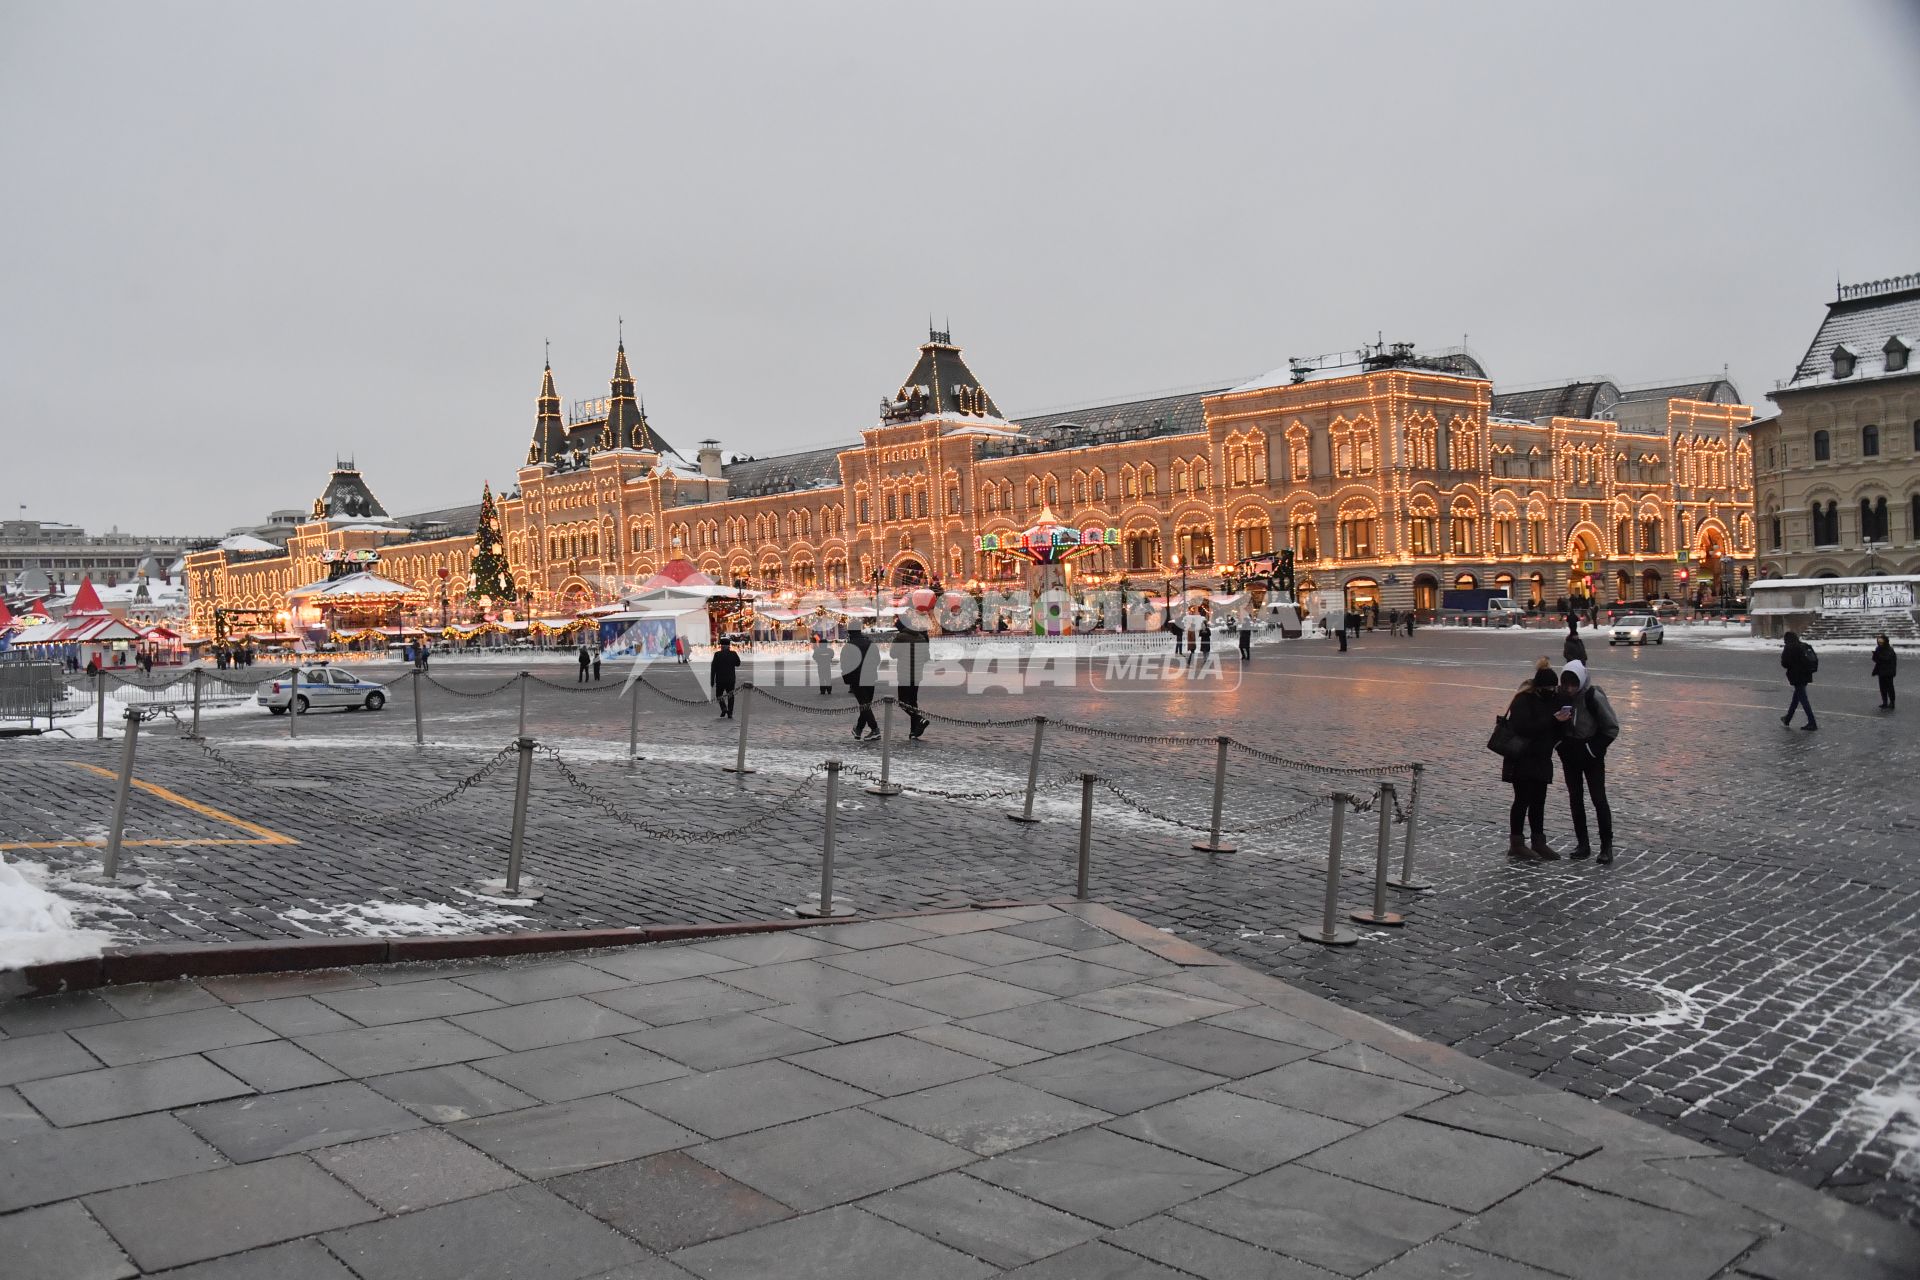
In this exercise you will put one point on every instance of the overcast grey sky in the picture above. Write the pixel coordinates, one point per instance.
(237, 239)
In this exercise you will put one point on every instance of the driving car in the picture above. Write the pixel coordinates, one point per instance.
(321, 687)
(1637, 628)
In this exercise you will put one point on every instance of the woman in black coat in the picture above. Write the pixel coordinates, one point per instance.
(1885, 663)
(1531, 714)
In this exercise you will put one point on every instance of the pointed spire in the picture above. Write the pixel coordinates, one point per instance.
(549, 432)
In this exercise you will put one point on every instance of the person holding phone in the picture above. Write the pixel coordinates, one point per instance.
(1532, 715)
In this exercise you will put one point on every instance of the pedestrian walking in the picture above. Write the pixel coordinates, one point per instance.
(1884, 664)
(1206, 636)
(1575, 649)
(909, 665)
(1245, 632)
(1800, 661)
(596, 666)
(823, 664)
(1393, 622)
(1173, 629)
(586, 662)
(1588, 728)
(1526, 735)
(859, 664)
(722, 673)
(1340, 631)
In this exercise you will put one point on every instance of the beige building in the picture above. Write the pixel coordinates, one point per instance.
(1838, 468)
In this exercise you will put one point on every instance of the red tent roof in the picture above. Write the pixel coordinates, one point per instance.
(40, 607)
(6, 614)
(86, 599)
(677, 573)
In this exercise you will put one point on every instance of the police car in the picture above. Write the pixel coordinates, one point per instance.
(321, 687)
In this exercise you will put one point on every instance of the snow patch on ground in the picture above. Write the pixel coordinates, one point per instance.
(1892, 1115)
(402, 919)
(35, 926)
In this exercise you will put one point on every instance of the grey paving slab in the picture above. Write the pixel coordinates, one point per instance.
(758, 1095)
(1102, 1176)
(147, 999)
(1353, 1096)
(1849, 1229)
(659, 964)
(981, 1219)
(373, 1006)
(1444, 1260)
(1095, 1260)
(547, 1022)
(1055, 1026)
(954, 923)
(1795, 1255)
(272, 1065)
(406, 1046)
(845, 1243)
(294, 1260)
(1233, 1130)
(245, 987)
(1593, 1236)
(1504, 1119)
(892, 1064)
(525, 984)
(662, 1004)
(88, 1096)
(1062, 975)
(1065, 932)
(60, 1242)
(830, 1159)
(44, 1015)
(451, 1093)
(17, 1116)
(904, 963)
(800, 980)
(979, 1044)
(1195, 983)
(1156, 1006)
(386, 975)
(297, 1016)
(860, 1016)
(169, 1035)
(668, 1201)
(1635, 1176)
(1125, 955)
(770, 948)
(1343, 1226)
(987, 1115)
(561, 1073)
(205, 1215)
(990, 948)
(965, 995)
(1360, 1057)
(279, 1124)
(865, 934)
(525, 1233)
(1112, 1079)
(414, 1170)
(566, 1137)
(1462, 1170)
(1234, 1054)
(39, 1056)
(1275, 1025)
(56, 1164)
(1208, 1254)
(726, 1041)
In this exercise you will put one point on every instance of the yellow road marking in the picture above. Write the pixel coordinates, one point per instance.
(263, 835)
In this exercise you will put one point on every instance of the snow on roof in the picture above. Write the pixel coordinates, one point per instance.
(356, 585)
(244, 542)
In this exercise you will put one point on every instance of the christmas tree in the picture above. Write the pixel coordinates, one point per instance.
(490, 575)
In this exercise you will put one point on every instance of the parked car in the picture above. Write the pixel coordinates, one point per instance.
(1665, 610)
(1637, 628)
(321, 687)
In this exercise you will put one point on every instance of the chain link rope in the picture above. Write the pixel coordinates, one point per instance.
(810, 709)
(614, 811)
(1167, 739)
(576, 686)
(463, 693)
(648, 685)
(1307, 766)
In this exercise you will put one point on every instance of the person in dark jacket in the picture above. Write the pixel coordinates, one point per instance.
(1245, 633)
(1800, 661)
(1587, 728)
(723, 673)
(1575, 649)
(1531, 715)
(823, 664)
(860, 671)
(1885, 662)
(909, 665)
(585, 664)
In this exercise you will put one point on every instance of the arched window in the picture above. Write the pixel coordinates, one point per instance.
(1463, 528)
(1300, 454)
(1423, 527)
(1870, 441)
(1341, 434)
(1098, 486)
(1202, 475)
(1179, 474)
(1650, 532)
(1365, 451)
(1129, 483)
(1053, 491)
(1303, 533)
(1623, 535)
(1463, 445)
(1357, 532)
(1822, 446)
(1149, 480)
(1506, 531)
(1873, 520)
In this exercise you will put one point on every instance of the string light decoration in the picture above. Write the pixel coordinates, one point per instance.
(490, 577)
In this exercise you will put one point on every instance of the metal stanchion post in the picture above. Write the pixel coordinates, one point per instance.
(1379, 916)
(1212, 843)
(293, 704)
(633, 725)
(523, 704)
(513, 886)
(1329, 929)
(743, 703)
(824, 904)
(1086, 835)
(1406, 880)
(419, 729)
(886, 786)
(99, 705)
(1033, 772)
(109, 872)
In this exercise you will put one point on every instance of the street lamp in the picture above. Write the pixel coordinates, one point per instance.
(1872, 549)
(444, 575)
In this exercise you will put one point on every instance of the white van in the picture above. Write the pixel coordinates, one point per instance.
(1504, 611)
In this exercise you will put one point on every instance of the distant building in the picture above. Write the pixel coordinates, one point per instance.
(1838, 467)
(37, 556)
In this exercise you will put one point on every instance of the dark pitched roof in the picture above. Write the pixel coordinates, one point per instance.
(347, 496)
(549, 432)
(626, 422)
(1862, 318)
(1123, 420)
(1573, 400)
(940, 383)
(445, 522)
(1713, 391)
(812, 469)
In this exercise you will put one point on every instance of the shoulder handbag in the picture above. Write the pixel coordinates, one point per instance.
(1505, 740)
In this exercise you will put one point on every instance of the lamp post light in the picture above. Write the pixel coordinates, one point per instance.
(444, 575)
(1872, 549)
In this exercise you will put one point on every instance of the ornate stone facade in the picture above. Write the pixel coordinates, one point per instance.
(1391, 474)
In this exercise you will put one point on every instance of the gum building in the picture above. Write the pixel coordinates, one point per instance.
(1391, 474)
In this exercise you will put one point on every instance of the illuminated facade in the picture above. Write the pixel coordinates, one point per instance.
(1390, 474)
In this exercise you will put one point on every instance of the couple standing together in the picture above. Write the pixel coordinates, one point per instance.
(1570, 716)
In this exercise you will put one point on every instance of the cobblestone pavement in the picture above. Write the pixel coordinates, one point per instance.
(1762, 913)
(1027, 1092)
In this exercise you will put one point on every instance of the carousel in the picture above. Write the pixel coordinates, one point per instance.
(1047, 548)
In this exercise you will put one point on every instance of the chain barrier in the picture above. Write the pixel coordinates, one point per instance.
(502, 687)
(428, 806)
(1133, 802)
(1306, 766)
(147, 685)
(1168, 739)
(811, 708)
(671, 697)
(873, 775)
(188, 735)
(786, 802)
(991, 724)
(576, 686)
